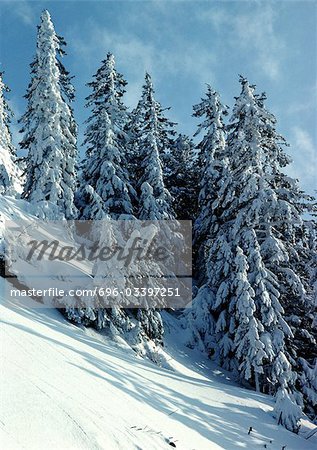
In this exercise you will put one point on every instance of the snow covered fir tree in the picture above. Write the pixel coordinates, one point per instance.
(152, 140)
(242, 311)
(49, 129)
(104, 170)
(211, 166)
(254, 298)
(106, 192)
(184, 181)
(8, 168)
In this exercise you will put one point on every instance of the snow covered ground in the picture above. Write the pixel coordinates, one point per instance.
(64, 387)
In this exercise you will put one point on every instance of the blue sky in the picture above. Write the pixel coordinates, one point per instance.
(183, 44)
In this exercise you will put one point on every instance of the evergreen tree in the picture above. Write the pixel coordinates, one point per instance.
(251, 274)
(154, 204)
(133, 135)
(184, 180)
(153, 140)
(308, 386)
(8, 169)
(104, 169)
(302, 317)
(49, 127)
(90, 204)
(106, 181)
(211, 171)
(155, 120)
(105, 192)
(5, 119)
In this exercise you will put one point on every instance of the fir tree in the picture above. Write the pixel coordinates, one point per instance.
(106, 179)
(251, 274)
(133, 135)
(308, 386)
(8, 169)
(153, 139)
(5, 119)
(104, 169)
(184, 180)
(49, 127)
(155, 120)
(105, 192)
(302, 317)
(211, 171)
(263, 198)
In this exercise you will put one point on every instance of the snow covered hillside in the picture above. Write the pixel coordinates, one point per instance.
(102, 250)
(66, 387)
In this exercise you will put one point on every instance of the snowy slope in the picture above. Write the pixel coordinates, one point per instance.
(64, 387)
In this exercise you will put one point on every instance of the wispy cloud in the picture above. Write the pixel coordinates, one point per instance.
(251, 31)
(308, 103)
(22, 9)
(137, 55)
